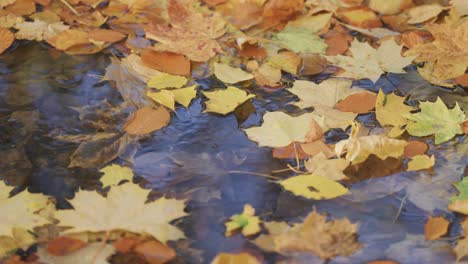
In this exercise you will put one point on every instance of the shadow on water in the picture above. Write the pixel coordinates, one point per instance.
(199, 156)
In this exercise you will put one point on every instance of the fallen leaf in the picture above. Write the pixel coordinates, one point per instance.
(337, 42)
(106, 35)
(461, 249)
(247, 222)
(435, 227)
(462, 80)
(370, 63)
(240, 258)
(461, 6)
(330, 168)
(330, 5)
(360, 103)
(389, 7)
(448, 54)
(436, 119)
(185, 95)
(290, 152)
(68, 39)
(301, 40)
(230, 75)
(21, 7)
(422, 13)
(95, 252)
(38, 30)
(166, 80)
(268, 75)
(164, 97)
(126, 244)
(279, 129)
(316, 235)
(382, 262)
(167, 62)
(312, 64)
(391, 110)
(286, 61)
(114, 174)
(63, 245)
(191, 33)
(276, 12)
(415, 148)
(358, 149)
(10, 20)
(252, 51)
(378, 33)
(4, 3)
(94, 213)
(360, 16)
(146, 120)
(313, 186)
(6, 39)
(155, 252)
(421, 162)
(226, 100)
(20, 239)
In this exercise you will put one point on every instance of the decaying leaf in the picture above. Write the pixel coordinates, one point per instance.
(124, 208)
(313, 186)
(370, 63)
(421, 162)
(147, 120)
(435, 227)
(226, 100)
(114, 174)
(247, 222)
(316, 235)
(436, 119)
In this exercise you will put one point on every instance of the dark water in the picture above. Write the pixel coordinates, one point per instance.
(199, 156)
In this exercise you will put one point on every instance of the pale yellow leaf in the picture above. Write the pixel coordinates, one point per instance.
(163, 97)
(167, 80)
(114, 174)
(38, 30)
(390, 110)
(422, 13)
(247, 222)
(185, 95)
(421, 162)
(224, 101)
(228, 74)
(330, 168)
(314, 187)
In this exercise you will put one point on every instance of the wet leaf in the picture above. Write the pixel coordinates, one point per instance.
(6, 39)
(226, 100)
(370, 63)
(421, 162)
(301, 40)
(140, 217)
(415, 148)
(361, 16)
(95, 251)
(38, 30)
(390, 110)
(147, 120)
(330, 168)
(247, 222)
(230, 75)
(167, 62)
(155, 252)
(360, 103)
(313, 186)
(461, 6)
(435, 227)
(164, 81)
(436, 119)
(63, 246)
(114, 174)
(240, 258)
(105, 35)
(286, 61)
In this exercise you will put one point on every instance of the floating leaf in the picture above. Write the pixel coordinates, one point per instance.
(165, 80)
(244, 258)
(436, 119)
(6, 39)
(359, 103)
(228, 74)
(224, 101)
(167, 62)
(286, 61)
(247, 222)
(155, 252)
(314, 187)
(330, 168)
(421, 162)
(390, 110)
(301, 40)
(94, 213)
(147, 120)
(435, 227)
(114, 174)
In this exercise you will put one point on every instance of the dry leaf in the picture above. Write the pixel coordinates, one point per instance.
(6, 39)
(168, 62)
(385, 7)
(435, 227)
(105, 35)
(330, 168)
(422, 13)
(360, 103)
(38, 30)
(147, 120)
(361, 16)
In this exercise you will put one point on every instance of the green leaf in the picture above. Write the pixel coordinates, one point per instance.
(301, 40)
(436, 119)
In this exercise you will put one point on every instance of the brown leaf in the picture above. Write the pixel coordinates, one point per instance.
(288, 152)
(126, 244)
(360, 16)
(373, 167)
(464, 127)
(62, 246)
(461, 80)
(43, 2)
(312, 64)
(214, 2)
(106, 35)
(277, 12)
(69, 38)
(146, 120)
(360, 103)
(337, 42)
(435, 227)
(6, 39)
(246, 14)
(316, 147)
(155, 252)
(414, 148)
(22, 7)
(166, 62)
(252, 51)
(240, 258)
(414, 38)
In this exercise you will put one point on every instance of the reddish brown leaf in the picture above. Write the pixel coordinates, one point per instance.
(312, 64)
(277, 12)
(414, 148)
(288, 152)
(360, 16)
(435, 228)
(147, 120)
(155, 252)
(359, 103)
(464, 127)
(126, 244)
(412, 39)
(246, 14)
(462, 80)
(106, 35)
(316, 147)
(252, 51)
(6, 39)
(43, 2)
(337, 42)
(62, 246)
(166, 62)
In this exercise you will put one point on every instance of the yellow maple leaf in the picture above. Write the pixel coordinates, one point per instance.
(168, 98)
(247, 222)
(124, 208)
(390, 110)
(314, 187)
(226, 100)
(114, 174)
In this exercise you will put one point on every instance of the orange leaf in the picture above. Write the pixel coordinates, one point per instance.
(105, 35)
(338, 42)
(414, 148)
(282, 10)
(155, 252)
(464, 127)
(435, 227)
(147, 120)
(288, 152)
(22, 7)
(69, 38)
(126, 244)
(360, 16)
(214, 2)
(462, 80)
(62, 246)
(253, 51)
(166, 62)
(6, 39)
(360, 103)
